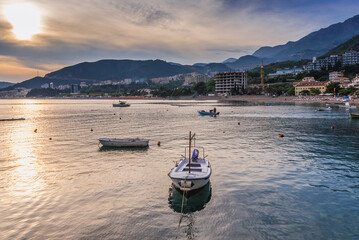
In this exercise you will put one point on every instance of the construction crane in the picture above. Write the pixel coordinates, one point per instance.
(255, 65)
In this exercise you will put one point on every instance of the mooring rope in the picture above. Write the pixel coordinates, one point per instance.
(181, 216)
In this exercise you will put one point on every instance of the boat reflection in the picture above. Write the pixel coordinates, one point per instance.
(195, 200)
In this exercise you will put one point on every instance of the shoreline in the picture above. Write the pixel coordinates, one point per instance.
(242, 98)
(286, 99)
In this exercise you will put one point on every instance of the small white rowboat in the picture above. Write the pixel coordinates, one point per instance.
(124, 142)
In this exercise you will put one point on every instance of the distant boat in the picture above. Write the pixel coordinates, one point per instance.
(124, 142)
(12, 119)
(325, 109)
(204, 113)
(121, 104)
(191, 173)
(347, 105)
(354, 115)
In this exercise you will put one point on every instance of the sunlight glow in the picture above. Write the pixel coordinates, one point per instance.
(25, 19)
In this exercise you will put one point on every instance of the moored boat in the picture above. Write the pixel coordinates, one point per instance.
(12, 119)
(191, 173)
(121, 104)
(354, 115)
(124, 142)
(204, 113)
(325, 109)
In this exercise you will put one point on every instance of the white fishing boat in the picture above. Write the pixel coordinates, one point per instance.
(124, 142)
(191, 172)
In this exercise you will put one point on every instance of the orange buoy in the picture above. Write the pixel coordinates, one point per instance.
(50, 138)
(35, 131)
(158, 143)
(281, 135)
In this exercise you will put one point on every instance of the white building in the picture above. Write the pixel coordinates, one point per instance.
(45, 85)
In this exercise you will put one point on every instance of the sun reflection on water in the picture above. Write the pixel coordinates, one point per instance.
(23, 143)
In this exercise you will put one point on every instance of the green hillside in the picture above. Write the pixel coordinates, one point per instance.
(352, 43)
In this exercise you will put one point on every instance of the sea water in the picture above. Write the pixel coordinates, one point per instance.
(56, 182)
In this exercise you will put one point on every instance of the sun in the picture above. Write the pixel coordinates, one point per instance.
(25, 19)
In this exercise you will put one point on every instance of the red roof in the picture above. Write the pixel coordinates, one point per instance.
(308, 84)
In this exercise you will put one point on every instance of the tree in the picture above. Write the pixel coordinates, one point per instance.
(200, 88)
(331, 86)
(305, 92)
(211, 85)
(291, 91)
(346, 91)
(314, 91)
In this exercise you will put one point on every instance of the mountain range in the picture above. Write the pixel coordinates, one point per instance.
(314, 44)
(325, 40)
(5, 84)
(117, 70)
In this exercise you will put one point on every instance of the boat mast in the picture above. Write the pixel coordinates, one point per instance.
(189, 152)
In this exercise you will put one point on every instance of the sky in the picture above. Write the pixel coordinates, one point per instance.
(41, 36)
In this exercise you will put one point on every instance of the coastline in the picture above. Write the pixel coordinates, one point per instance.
(241, 98)
(284, 99)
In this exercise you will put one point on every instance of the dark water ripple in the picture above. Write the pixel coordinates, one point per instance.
(302, 186)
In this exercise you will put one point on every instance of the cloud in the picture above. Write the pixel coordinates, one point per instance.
(183, 31)
(13, 71)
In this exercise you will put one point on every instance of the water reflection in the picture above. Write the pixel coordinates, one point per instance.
(193, 201)
(25, 167)
(105, 148)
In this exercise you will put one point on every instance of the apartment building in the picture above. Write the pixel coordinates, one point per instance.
(349, 57)
(225, 82)
(333, 75)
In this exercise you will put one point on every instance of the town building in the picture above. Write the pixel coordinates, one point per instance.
(308, 79)
(194, 77)
(75, 89)
(225, 82)
(307, 83)
(349, 57)
(355, 82)
(63, 87)
(343, 81)
(16, 93)
(160, 80)
(333, 75)
(286, 71)
(301, 86)
(45, 85)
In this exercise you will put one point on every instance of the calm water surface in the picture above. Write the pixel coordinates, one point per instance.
(302, 186)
